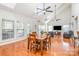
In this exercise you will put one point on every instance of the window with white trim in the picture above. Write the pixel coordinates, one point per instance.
(20, 29)
(7, 29)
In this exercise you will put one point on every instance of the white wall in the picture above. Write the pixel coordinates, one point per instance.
(5, 14)
(75, 12)
(75, 9)
(64, 15)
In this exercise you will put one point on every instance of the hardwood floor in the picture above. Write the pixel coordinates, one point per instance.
(57, 49)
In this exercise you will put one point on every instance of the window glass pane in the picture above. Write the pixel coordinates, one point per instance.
(6, 34)
(41, 29)
(66, 28)
(7, 25)
(20, 33)
(7, 29)
(19, 25)
(50, 28)
(20, 29)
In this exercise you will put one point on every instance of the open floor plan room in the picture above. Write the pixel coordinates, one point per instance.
(39, 29)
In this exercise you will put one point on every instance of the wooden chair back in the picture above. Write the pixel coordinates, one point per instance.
(32, 42)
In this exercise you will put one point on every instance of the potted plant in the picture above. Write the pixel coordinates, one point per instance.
(42, 32)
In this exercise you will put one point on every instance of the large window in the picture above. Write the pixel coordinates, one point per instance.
(20, 29)
(42, 29)
(50, 28)
(7, 29)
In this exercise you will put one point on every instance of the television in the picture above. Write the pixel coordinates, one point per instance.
(57, 27)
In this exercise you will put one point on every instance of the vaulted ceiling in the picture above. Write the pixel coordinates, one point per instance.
(30, 9)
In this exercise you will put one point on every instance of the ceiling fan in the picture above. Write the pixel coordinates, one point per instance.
(44, 10)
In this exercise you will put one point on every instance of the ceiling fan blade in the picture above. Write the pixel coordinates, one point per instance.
(49, 11)
(39, 9)
(58, 19)
(48, 7)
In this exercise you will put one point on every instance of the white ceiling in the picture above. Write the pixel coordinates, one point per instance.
(29, 9)
(10, 5)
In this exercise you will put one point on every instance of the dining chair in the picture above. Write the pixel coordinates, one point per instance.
(32, 43)
(47, 42)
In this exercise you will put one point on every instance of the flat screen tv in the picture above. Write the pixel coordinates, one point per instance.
(57, 27)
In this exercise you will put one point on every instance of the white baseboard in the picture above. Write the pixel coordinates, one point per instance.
(11, 41)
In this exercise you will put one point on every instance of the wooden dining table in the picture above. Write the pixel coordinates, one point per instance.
(41, 44)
